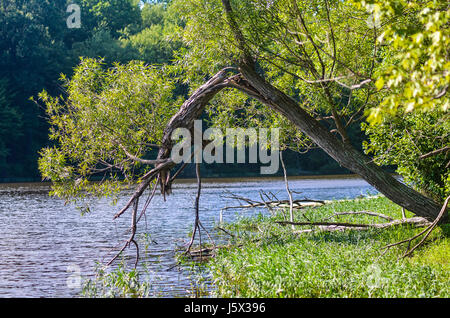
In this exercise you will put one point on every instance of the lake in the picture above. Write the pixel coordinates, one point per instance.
(42, 240)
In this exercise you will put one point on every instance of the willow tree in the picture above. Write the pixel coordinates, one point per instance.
(309, 67)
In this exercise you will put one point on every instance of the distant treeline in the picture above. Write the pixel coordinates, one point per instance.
(37, 46)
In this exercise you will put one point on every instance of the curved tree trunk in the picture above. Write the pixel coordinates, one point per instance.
(345, 154)
(251, 83)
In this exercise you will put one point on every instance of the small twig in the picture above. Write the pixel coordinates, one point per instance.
(434, 152)
(265, 203)
(137, 159)
(147, 203)
(225, 231)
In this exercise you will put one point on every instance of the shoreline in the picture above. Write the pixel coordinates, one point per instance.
(273, 261)
(216, 179)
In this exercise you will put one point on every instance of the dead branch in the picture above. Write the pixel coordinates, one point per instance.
(225, 231)
(341, 226)
(425, 232)
(365, 213)
(201, 254)
(296, 204)
(291, 204)
(269, 208)
(434, 152)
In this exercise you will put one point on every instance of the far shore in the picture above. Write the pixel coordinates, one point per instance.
(9, 182)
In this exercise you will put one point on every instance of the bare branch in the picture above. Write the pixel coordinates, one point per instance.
(435, 152)
(338, 226)
(427, 232)
(365, 213)
(143, 161)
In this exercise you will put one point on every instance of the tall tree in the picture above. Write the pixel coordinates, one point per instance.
(32, 54)
(309, 65)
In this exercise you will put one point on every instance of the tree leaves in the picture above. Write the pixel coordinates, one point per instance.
(109, 113)
(416, 75)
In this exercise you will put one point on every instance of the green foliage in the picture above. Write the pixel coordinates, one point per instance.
(274, 262)
(284, 54)
(411, 118)
(402, 140)
(109, 113)
(155, 44)
(317, 71)
(119, 282)
(13, 123)
(103, 44)
(36, 47)
(320, 53)
(31, 57)
(414, 75)
(114, 15)
(153, 14)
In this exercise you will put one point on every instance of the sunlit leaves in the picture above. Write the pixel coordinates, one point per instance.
(301, 47)
(402, 140)
(416, 77)
(106, 112)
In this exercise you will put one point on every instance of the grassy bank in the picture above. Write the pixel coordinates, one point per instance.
(273, 262)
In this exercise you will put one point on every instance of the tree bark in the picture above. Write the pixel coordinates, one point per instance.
(345, 154)
(191, 110)
(251, 83)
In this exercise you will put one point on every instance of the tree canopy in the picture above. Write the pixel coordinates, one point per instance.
(415, 70)
(314, 68)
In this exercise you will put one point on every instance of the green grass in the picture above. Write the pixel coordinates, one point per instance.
(274, 262)
(119, 282)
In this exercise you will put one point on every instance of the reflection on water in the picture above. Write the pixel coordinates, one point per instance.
(40, 237)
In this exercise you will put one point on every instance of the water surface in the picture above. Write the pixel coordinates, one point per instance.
(41, 239)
